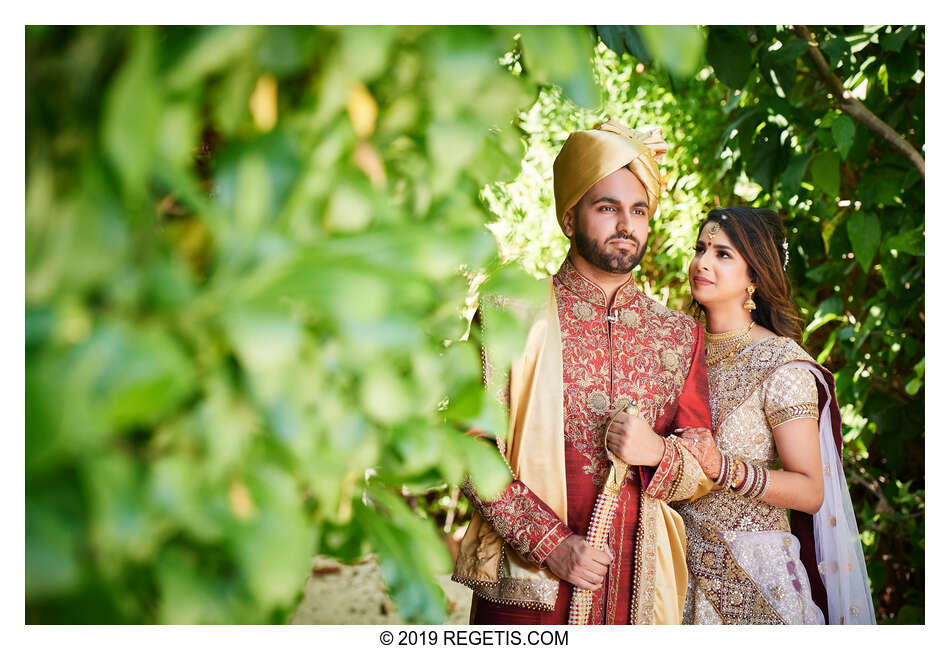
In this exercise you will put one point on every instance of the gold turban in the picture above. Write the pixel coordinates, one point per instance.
(589, 156)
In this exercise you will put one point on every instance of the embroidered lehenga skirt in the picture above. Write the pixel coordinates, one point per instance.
(744, 563)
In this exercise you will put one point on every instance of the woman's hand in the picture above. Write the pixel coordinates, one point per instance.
(631, 439)
(701, 444)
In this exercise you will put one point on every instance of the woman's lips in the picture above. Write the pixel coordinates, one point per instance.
(701, 281)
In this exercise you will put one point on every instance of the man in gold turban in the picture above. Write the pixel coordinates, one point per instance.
(597, 346)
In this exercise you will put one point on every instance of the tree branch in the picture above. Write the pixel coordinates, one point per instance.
(851, 105)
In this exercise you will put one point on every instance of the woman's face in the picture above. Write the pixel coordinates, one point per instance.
(718, 276)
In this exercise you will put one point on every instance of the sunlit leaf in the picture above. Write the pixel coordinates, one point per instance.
(826, 173)
(842, 129)
(561, 55)
(864, 231)
(678, 48)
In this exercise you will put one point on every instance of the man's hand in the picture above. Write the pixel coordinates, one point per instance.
(699, 441)
(633, 441)
(580, 563)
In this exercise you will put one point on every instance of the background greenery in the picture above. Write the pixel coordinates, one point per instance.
(251, 253)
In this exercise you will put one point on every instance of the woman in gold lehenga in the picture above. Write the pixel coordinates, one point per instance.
(748, 564)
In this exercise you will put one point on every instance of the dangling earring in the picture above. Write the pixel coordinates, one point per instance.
(749, 304)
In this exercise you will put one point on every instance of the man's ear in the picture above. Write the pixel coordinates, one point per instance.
(567, 222)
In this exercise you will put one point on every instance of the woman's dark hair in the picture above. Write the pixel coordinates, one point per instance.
(758, 236)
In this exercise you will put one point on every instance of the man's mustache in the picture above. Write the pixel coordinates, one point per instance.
(630, 237)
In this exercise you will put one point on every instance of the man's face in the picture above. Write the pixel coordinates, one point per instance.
(609, 225)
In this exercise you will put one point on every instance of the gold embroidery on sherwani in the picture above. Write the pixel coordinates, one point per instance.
(583, 311)
(720, 591)
(639, 352)
(656, 341)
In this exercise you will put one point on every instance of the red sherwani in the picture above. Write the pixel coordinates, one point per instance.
(631, 349)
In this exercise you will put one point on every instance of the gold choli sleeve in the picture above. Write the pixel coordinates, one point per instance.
(789, 394)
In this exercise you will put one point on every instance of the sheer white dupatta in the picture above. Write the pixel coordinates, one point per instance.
(838, 547)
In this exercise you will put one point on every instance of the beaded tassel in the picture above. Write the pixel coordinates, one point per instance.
(600, 522)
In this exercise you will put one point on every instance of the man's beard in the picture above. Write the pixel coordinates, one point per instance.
(619, 262)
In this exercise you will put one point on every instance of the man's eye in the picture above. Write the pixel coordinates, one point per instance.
(607, 207)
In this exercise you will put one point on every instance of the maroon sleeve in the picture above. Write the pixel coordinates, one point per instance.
(522, 519)
(693, 407)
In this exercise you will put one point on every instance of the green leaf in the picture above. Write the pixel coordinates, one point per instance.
(287, 49)
(484, 464)
(214, 50)
(189, 596)
(53, 562)
(231, 99)
(826, 350)
(561, 55)
(132, 114)
(384, 395)
(842, 129)
(837, 49)
(908, 241)
(894, 40)
(145, 375)
(825, 173)
(624, 38)
(790, 50)
(864, 231)
(613, 37)
(829, 310)
(791, 178)
(452, 146)
(175, 490)
(409, 552)
(122, 528)
(365, 49)
(678, 48)
(729, 56)
(767, 155)
(902, 66)
(274, 545)
(179, 134)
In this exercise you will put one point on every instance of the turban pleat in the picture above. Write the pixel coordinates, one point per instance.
(589, 156)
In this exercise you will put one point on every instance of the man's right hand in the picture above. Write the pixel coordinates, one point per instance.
(579, 563)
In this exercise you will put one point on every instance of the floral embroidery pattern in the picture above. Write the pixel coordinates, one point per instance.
(642, 354)
(531, 530)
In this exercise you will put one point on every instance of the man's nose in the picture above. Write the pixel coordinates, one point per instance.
(624, 221)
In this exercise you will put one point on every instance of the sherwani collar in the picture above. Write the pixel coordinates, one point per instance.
(588, 290)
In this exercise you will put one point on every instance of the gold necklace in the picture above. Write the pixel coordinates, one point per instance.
(724, 345)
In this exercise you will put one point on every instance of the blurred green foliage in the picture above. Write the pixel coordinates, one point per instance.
(251, 253)
(755, 125)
